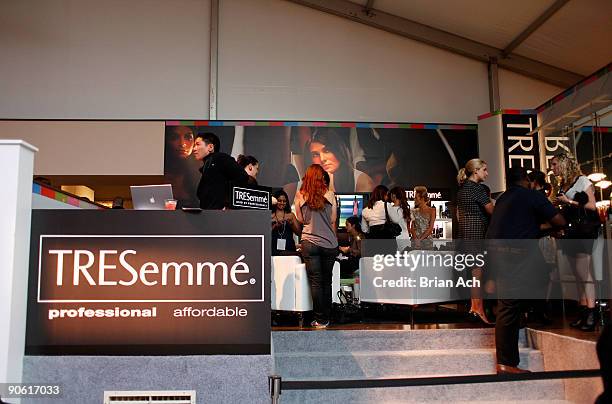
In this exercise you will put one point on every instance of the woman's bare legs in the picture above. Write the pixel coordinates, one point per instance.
(581, 267)
(477, 303)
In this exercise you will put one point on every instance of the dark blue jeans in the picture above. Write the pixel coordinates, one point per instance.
(319, 267)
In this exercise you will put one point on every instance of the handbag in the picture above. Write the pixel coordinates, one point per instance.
(347, 311)
(583, 223)
(392, 229)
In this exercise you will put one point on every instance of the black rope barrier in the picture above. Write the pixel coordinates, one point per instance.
(432, 381)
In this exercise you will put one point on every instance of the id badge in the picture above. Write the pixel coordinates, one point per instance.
(281, 244)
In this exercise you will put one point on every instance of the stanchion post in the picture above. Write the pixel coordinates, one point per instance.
(274, 384)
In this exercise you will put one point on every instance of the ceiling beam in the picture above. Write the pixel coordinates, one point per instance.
(444, 40)
(367, 9)
(533, 27)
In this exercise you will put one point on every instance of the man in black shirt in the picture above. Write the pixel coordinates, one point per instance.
(519, 264)
(219, 172)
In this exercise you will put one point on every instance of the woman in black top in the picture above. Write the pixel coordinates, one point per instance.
(251, 167)
(474, 208)
(284, 226)
(352, 252)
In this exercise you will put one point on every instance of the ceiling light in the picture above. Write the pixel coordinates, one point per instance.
(596, 177)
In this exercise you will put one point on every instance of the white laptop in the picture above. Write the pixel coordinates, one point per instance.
(150, 197)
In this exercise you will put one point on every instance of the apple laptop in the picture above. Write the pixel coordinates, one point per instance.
(150, 197)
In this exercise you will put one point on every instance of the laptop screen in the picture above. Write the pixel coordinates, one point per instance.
(150, 197)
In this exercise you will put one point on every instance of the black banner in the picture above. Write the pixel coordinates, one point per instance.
(520, 148)
(149, 282)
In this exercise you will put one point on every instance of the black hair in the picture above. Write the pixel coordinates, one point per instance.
(354, 220)
(326, 178)
(538, 177)
(344, 178)
(210, 138)
(378, 194)
(243, 161)
(400, 194)
(515, 175)
(277, 195)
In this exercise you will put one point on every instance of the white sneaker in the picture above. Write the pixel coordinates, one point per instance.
(317, 324)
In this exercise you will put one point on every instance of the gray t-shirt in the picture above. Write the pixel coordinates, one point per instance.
(318, 227)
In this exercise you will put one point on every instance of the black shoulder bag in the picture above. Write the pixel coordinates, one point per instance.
(390, 228)
(582, 223)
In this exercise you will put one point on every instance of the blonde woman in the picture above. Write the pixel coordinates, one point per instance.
(576, 196)
(422, 220)
(474, 209)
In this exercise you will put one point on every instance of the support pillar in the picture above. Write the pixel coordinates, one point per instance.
(17, 167)
(494, 100)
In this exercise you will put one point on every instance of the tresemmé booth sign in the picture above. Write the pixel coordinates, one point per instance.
(149, 282)
(251, 198)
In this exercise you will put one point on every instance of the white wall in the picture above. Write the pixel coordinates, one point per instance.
(149, 59)
(42, 202)
(111, 59)
(280, 60)
(92, 148)
(520, 92)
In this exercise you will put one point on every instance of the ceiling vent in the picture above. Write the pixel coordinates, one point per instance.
(150, 397)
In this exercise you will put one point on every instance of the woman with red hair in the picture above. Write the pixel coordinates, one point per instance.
(315, 208)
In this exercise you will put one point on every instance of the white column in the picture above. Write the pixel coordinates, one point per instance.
(16, 168)
(491, 150)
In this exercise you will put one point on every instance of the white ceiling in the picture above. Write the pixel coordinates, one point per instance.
(577, 38)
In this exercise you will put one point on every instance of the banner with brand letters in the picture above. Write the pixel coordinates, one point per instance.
(149, 282)
(521, 149)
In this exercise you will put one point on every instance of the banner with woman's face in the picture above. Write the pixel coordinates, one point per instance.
(357, 157)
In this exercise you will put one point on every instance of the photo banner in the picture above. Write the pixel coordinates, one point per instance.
(357, 156)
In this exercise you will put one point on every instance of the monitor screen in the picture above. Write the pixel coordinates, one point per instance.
(350, 205)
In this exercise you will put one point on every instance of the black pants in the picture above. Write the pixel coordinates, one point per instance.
(521, 277)
(319, 267)
(507, 326)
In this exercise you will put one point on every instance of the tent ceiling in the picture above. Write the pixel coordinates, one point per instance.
(493, 22)
(577, 38)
